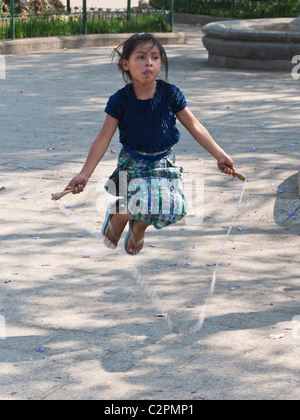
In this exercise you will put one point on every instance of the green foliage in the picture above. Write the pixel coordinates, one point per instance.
(34, 6)
(243, 9)
(3, 8)
(28, 25)
(266, 8)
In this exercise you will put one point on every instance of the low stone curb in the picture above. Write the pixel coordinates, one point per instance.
(29, 45)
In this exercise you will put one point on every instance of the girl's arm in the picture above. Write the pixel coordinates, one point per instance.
(202, 136)
(95, 155)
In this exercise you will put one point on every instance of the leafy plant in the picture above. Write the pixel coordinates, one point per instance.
(243, 9)
(38, 25)
(34, 6)
(3, 7)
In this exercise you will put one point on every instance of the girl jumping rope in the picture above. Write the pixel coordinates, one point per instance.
(145, 112)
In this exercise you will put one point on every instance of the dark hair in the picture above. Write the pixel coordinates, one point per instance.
(124, 50)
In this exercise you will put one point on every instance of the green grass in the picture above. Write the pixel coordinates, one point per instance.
(29, 26)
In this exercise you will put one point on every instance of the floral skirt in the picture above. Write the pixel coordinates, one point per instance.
(151, 191)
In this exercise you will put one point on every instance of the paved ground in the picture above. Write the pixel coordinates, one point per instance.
(55, 270)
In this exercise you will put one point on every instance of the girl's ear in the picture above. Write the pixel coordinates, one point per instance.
(125, 65)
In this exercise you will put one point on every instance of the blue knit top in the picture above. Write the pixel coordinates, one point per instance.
(147, 126)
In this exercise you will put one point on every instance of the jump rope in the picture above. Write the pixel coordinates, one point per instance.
(142, 282)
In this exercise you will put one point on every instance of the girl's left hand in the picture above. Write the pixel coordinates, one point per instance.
(226, 160)
(78, 184)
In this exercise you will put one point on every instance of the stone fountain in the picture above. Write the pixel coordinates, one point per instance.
(295, 25)
(260, 44)
(265, 44)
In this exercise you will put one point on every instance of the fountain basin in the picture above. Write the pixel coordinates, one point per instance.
(266, 44)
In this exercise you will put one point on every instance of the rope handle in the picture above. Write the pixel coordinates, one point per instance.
(240, 176)
(60, 195)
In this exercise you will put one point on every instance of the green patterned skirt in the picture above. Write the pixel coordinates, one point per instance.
(152, 191)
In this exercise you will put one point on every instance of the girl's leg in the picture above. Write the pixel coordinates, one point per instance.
(115, 228)
(135, 241)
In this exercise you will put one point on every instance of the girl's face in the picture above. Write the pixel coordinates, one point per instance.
(144, 63)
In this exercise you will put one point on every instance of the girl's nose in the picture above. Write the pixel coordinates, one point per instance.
(149, 62)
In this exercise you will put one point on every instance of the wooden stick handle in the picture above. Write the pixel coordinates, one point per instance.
(58, 196)
(240, 176)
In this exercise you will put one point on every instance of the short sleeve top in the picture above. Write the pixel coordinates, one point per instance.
(147, 126)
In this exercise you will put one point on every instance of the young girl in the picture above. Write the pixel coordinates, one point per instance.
(145, 112)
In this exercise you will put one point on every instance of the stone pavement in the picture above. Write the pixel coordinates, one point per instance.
(80, 319)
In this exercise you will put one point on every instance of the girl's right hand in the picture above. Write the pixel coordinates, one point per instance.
(229, 165)
(78, 183)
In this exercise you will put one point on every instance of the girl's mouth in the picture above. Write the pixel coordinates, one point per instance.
(147, 73)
